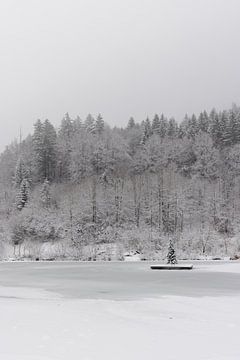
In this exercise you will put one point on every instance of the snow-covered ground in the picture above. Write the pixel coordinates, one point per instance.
(228, 267)
(42, 325)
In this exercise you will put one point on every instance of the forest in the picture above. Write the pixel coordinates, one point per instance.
(89, 191)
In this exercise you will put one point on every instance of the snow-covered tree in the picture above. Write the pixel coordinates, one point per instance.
(163, 126)
(45, 150)
(171, 255)
(46, 194)
(192, 128)
(64, 147)
(66, 129)
(89, 124)
(131, 123)
(231, 134)
(203, 122)
(99, 125)
(156, 125)
(146, 130)
(21, 173)
(23, 194)
(172, 128)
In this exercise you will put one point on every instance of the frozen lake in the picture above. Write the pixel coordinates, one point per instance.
(193, 313)
(119, 280)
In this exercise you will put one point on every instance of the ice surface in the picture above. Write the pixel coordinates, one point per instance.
(228, 267)
(37, 325)
(118, 281)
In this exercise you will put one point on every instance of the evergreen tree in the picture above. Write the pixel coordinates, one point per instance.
(203, 122)
(181, 131)
(192, 128)
(77, 124)
(50, 151)
(66, 129)
(147, 128)
(171, 256)
(89, 123)
(223, 120)
(163, 126)
(144, 137)
(146, 131)
(99, 125)
(23, 195)
(231, 132)
(183, 128)
(156, 125)
(21, 173)
(172, 128)
(131, 123)
(46, 194)
(64, 147)
(38, 149)
(217, 127)
(45, 151)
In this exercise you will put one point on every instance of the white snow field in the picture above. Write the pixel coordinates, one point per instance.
(95, 311)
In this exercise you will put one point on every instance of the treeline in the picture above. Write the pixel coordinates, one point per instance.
(157, 178)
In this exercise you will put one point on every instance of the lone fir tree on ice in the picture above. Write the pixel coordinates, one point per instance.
(171, 256)
(171, 261)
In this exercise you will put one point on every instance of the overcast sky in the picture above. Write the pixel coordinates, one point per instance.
(121, 58)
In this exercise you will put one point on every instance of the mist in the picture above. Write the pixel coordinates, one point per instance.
(118, 58)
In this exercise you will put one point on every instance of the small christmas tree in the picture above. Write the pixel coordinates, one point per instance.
(171, 256)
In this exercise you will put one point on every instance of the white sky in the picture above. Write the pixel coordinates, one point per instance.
(119, 57)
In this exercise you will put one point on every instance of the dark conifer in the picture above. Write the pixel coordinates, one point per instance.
(171, 256)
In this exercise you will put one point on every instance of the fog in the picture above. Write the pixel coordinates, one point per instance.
(120, 58)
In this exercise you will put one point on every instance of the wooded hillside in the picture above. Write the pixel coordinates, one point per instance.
(90, 191)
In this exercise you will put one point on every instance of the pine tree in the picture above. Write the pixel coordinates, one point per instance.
(131, 123)
(181, 131)
(46, 194)
(50, 150)
(172, 128)
(183, 128)
(67, 129)
(38, 148)
(171, 256)
(220, 129)
(89, 123)
(156, 125)
(77, 124)
(192, 128)
(64, 145)
(21, 173)
(215, 128)
(23, 195)
(163, 126)
(231, 132)
(99, 125)
(146, 131)
(45, 150)
(147, 128)
(223, 121)
(203, 122)
(144, 137)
